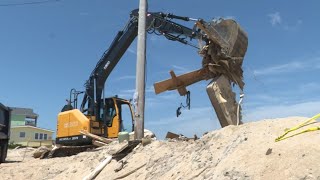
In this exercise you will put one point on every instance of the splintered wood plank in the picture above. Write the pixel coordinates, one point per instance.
(223, 100)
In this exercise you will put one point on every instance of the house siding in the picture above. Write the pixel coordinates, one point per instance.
(29, 139)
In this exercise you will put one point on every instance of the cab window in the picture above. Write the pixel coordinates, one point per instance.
(109, 112)
(125, 118)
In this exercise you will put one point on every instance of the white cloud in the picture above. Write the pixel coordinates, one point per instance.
(275, 18)
(125, 96)
(180, 69)
(126, 77)
(305, 109)
(263, 98)
(309, 87)
(151, 102)
(293, 27)
(282, 68)
(132, 51)
(149, 89)
(128, 91)
(303, 64)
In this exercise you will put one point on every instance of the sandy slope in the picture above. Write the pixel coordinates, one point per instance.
(229, 153)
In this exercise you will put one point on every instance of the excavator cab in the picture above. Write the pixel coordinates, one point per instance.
(115, 116)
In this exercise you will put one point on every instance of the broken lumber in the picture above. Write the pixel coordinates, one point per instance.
(171, 135)
(98, 143)
(223, 101)
(181, 137)
(119, 150)
(102, 139)
(98, 169)
(124, 150)
(130, 172)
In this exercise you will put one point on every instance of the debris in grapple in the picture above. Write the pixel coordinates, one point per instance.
(225, 52)
(223, 56)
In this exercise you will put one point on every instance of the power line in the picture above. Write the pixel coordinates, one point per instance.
(28, 3)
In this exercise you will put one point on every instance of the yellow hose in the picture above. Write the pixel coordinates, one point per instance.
(305, 123)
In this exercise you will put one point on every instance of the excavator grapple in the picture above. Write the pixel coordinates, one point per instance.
(225, 52)
(223, 56)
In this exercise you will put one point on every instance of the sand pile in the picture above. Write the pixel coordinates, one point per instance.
(244, 152)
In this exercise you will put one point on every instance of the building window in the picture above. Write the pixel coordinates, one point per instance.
(45, 136)
(41, 136)
(30, 122)
(36, 136)
(22, 134)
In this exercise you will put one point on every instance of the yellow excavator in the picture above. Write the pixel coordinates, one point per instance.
(103, 116)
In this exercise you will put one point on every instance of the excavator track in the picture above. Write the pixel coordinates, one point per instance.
(64, 151)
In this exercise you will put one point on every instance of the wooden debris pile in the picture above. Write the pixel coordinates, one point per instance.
(179, 137)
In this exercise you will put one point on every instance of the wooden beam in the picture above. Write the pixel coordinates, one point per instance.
(182, 90)
(180, 82)
(98, 143)
(98, 169)
(130, 172)
(102, 139)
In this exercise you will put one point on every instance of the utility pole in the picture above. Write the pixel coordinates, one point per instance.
(140, 71)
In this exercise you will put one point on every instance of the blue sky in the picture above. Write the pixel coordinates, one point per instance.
(47, 49)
